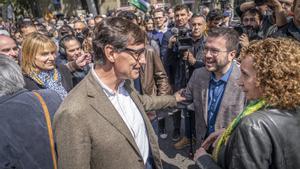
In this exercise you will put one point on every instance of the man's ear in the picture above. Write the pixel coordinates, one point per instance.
(109, 53)
(232, 55)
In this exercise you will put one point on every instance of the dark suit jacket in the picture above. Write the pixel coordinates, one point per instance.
(232, 103)
(90, 133)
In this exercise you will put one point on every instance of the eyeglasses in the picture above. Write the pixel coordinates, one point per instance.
(135, 54)
(213, 51)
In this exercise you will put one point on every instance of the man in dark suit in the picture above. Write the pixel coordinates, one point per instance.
(213, 89)
(102, 123)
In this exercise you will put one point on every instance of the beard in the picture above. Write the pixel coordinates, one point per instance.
(252, 32)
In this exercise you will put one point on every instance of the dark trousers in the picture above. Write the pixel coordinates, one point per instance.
(177, 120)
(190, 124)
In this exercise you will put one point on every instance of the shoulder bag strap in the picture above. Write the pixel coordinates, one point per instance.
(49, 127)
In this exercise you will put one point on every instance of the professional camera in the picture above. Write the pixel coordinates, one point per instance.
(251, 32)
(183, 39)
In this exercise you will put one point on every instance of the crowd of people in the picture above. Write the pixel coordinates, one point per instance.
(95, 92)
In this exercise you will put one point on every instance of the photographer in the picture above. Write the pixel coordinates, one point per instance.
(272, 11)
(70, 51)
(79, 28)
(172, 60)
(291, 29)
(193, 57)
(251, 26)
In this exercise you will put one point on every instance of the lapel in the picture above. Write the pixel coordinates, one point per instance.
(228, 95)
(150, 132)
(204, 92)
(102, 105)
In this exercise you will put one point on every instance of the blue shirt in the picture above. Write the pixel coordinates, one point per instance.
(215, 94)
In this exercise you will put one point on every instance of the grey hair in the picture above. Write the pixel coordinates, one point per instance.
(11, 78)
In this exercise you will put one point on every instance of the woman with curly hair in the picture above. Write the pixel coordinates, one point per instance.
(266, 134)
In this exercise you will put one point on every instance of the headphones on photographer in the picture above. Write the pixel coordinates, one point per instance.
(61, 44)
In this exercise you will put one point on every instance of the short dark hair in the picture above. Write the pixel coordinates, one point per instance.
(25, 24)
(159, 10)
(67, 38)
(230, 35)
(127, 15)
(117, 32)
(253, 12)
(181, 7)
(65, 30)
(215, 14)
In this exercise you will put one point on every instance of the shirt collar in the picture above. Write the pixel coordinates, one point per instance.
(165, 29)
(225, 77)
(106, 89)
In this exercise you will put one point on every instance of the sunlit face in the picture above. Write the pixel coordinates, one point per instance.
(28, 30)
(181, 18)
(217, 57)
(248, 80)
(286, 6)
(73, 49)
(159, 19)
(129, 62)
(149, 25)
(91, 23)
(9, 47)
(198, 26)
(170, 13)
(45, 59)
(78, 27)
(296, 11)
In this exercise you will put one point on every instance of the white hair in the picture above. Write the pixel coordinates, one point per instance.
(11, 78)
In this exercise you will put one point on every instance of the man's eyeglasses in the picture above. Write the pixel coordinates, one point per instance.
(213, 51)
(135, 54)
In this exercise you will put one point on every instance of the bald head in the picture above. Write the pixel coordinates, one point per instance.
(8, 47)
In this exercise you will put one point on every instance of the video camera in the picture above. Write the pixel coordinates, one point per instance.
(183, 39)
(249, 31)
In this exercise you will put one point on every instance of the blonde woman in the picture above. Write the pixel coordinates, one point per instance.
(38, 66)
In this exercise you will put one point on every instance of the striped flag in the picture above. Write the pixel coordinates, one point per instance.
(142, 5)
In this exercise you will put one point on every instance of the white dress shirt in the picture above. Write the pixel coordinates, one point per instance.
(130, 114)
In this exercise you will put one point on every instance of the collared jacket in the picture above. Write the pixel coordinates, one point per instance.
(90, 133)
(24, 142)
(266, 139)
(289, 30)
(178, 70)
(231, 105)
(154, 78)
